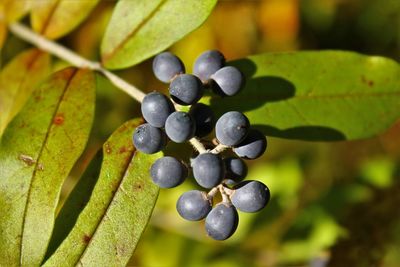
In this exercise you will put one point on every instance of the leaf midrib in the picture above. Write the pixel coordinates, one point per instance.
(50, 17)
(333, 96)
(39, 157)
(135, 30)
(126, 167)
(28, 69)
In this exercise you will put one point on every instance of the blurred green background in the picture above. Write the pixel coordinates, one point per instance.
(333, 204)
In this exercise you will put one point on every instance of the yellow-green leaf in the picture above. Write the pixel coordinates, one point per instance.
(37, 151)
(55, 18)
(116, 207)
(15, 9)
(17, 81)
(318, 95)
(139, 29)
(3, 32)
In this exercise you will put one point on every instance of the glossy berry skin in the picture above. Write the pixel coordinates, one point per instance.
(253, 146)
(156, 108)
(207, 64)
(168, 172)
(236, 169)
(186, 89)
(227, 81)
(149, 139)
(222, 221)
(180, 126)
(208, 170)
(231, 128)
(250, 196)
(166, 66)
(193, 205)
(204, 118)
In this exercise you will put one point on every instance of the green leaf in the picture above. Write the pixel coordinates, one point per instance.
(19, 78)
(37, 151)
(115, 207)
(317, 96)
(142, 28)
(56, 18)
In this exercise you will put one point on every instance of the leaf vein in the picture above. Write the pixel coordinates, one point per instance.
(105, 215)
(38, 159)
(135, 30)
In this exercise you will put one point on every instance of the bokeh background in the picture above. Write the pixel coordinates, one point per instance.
(333, 204)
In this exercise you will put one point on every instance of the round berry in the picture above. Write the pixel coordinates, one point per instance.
(149, 139)
(236, 169)
(156, 108)
(232, 128)
(250, 196)
(166, 66)
(222, 221)
(207, 64)
(227, 81)
(204, 119)
(253, 146)
(168, 172)
(193, 205)
(208, 170)
(186, 89)
(180, 126)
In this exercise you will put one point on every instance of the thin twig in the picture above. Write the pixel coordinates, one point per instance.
(73, 58)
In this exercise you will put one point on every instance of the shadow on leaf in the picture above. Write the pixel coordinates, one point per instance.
(258, 92)
(74, 204)
(307, 133)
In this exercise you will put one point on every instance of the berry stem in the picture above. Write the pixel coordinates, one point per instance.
(228, 191)
(225, 193)
(225, 197)
(212, 192)
(219, 148)
(73, 58)
(197, 145)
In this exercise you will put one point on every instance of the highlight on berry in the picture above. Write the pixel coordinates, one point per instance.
(219, 163)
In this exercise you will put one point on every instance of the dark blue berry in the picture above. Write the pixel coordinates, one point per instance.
(166, 66)
(236, 169)
(193, 205)
(204, 118)
(149, 139)
(253, 146)
(180, 126)
(208, 170)
(186, 89)
(227, 81)
(250, 196)
(232, 128)
(222, 221)
(156, 107)
(168, 172)
(207, 64)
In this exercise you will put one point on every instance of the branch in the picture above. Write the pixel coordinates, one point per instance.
(73, 58)
(25, 33)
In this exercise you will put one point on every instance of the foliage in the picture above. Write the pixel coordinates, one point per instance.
(59, 210)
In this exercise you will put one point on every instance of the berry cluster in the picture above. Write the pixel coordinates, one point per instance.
(210, 169)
